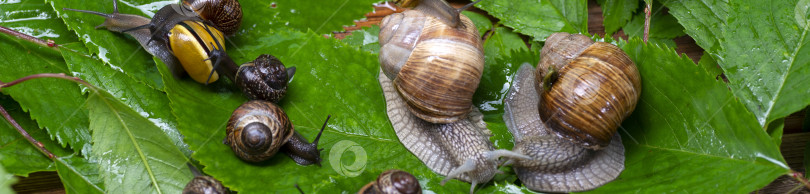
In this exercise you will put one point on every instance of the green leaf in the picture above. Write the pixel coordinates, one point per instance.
(148, 102)
(132, 152)
(540, 19)
(703, 20)
(323, 17)
(61, 115)
(16, 153)
(767, 58)
(710, 65)
(481, 22)
(662, 25)
(367, 39)
(616, 13)
(502, 42)
(118, 50)
(79, 175)
(687, 130)
(6, 180)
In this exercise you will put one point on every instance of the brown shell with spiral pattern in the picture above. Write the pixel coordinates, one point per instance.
(393, 182)
(257, 130)
(226, 15)
(435, 68)
(597, 86)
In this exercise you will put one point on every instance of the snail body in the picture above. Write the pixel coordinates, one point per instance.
(558, 163)
(429, 71)
(226, 15)
(258, 129)
(393, 182)
(189, 45)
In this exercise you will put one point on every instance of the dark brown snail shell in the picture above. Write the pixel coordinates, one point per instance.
(204, 185)
(226, 15)
(264, 78)
(393, 182)
(596, 88)
(258, 129)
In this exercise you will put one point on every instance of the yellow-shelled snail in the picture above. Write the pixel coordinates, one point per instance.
(258, 129)
(190, 45)
(564, 116)
(430, 68)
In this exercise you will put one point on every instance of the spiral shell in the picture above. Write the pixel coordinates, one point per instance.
(264, 78)
(257, 129)
(597, 88)
(204, 185)
(225, 14)
(393, 182)
(435, 68)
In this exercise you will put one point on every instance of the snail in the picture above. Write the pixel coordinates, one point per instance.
(429, 72)
(559, 113)
(437, 8)
(258, 129)
(393, 182)
(226, 15)
(202, 184)
(190, 45)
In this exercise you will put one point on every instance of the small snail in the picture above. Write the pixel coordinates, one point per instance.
(258, 129)
(187, 44)
(596, 86)
(435, 70)
(393, 182)
(202, 184)
(226, 15)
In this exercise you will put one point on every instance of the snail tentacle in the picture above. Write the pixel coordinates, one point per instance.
(304, 153)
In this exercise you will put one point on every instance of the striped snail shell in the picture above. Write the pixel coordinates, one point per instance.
(203, 184)
(554, 164)
(393, 182)
(597, 86)
(226, 15)
(257, 130)
(436, 68)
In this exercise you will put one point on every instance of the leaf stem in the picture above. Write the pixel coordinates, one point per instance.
(46, 43)
(17, 125)
(798, 176)
(25, 134)
(647, 16)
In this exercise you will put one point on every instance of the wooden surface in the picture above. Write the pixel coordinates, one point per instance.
(793, 142)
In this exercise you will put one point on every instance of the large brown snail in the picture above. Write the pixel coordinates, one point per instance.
(564, 115)
(191, 45)
(429, 72)
(258, 129)
(393, 182)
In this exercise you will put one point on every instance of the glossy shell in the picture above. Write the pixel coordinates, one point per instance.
(393, 182)
(204, 185)
(597, 87)
(555, 164)
(184, 43)
(435, 68)
(257, 129)
(225, 14)
(263, 79)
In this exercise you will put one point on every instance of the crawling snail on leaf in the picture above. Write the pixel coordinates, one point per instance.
(393, 182)
(564, 115)
(187, 41)
(428, 86)
(258, 129)
(203, 184)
